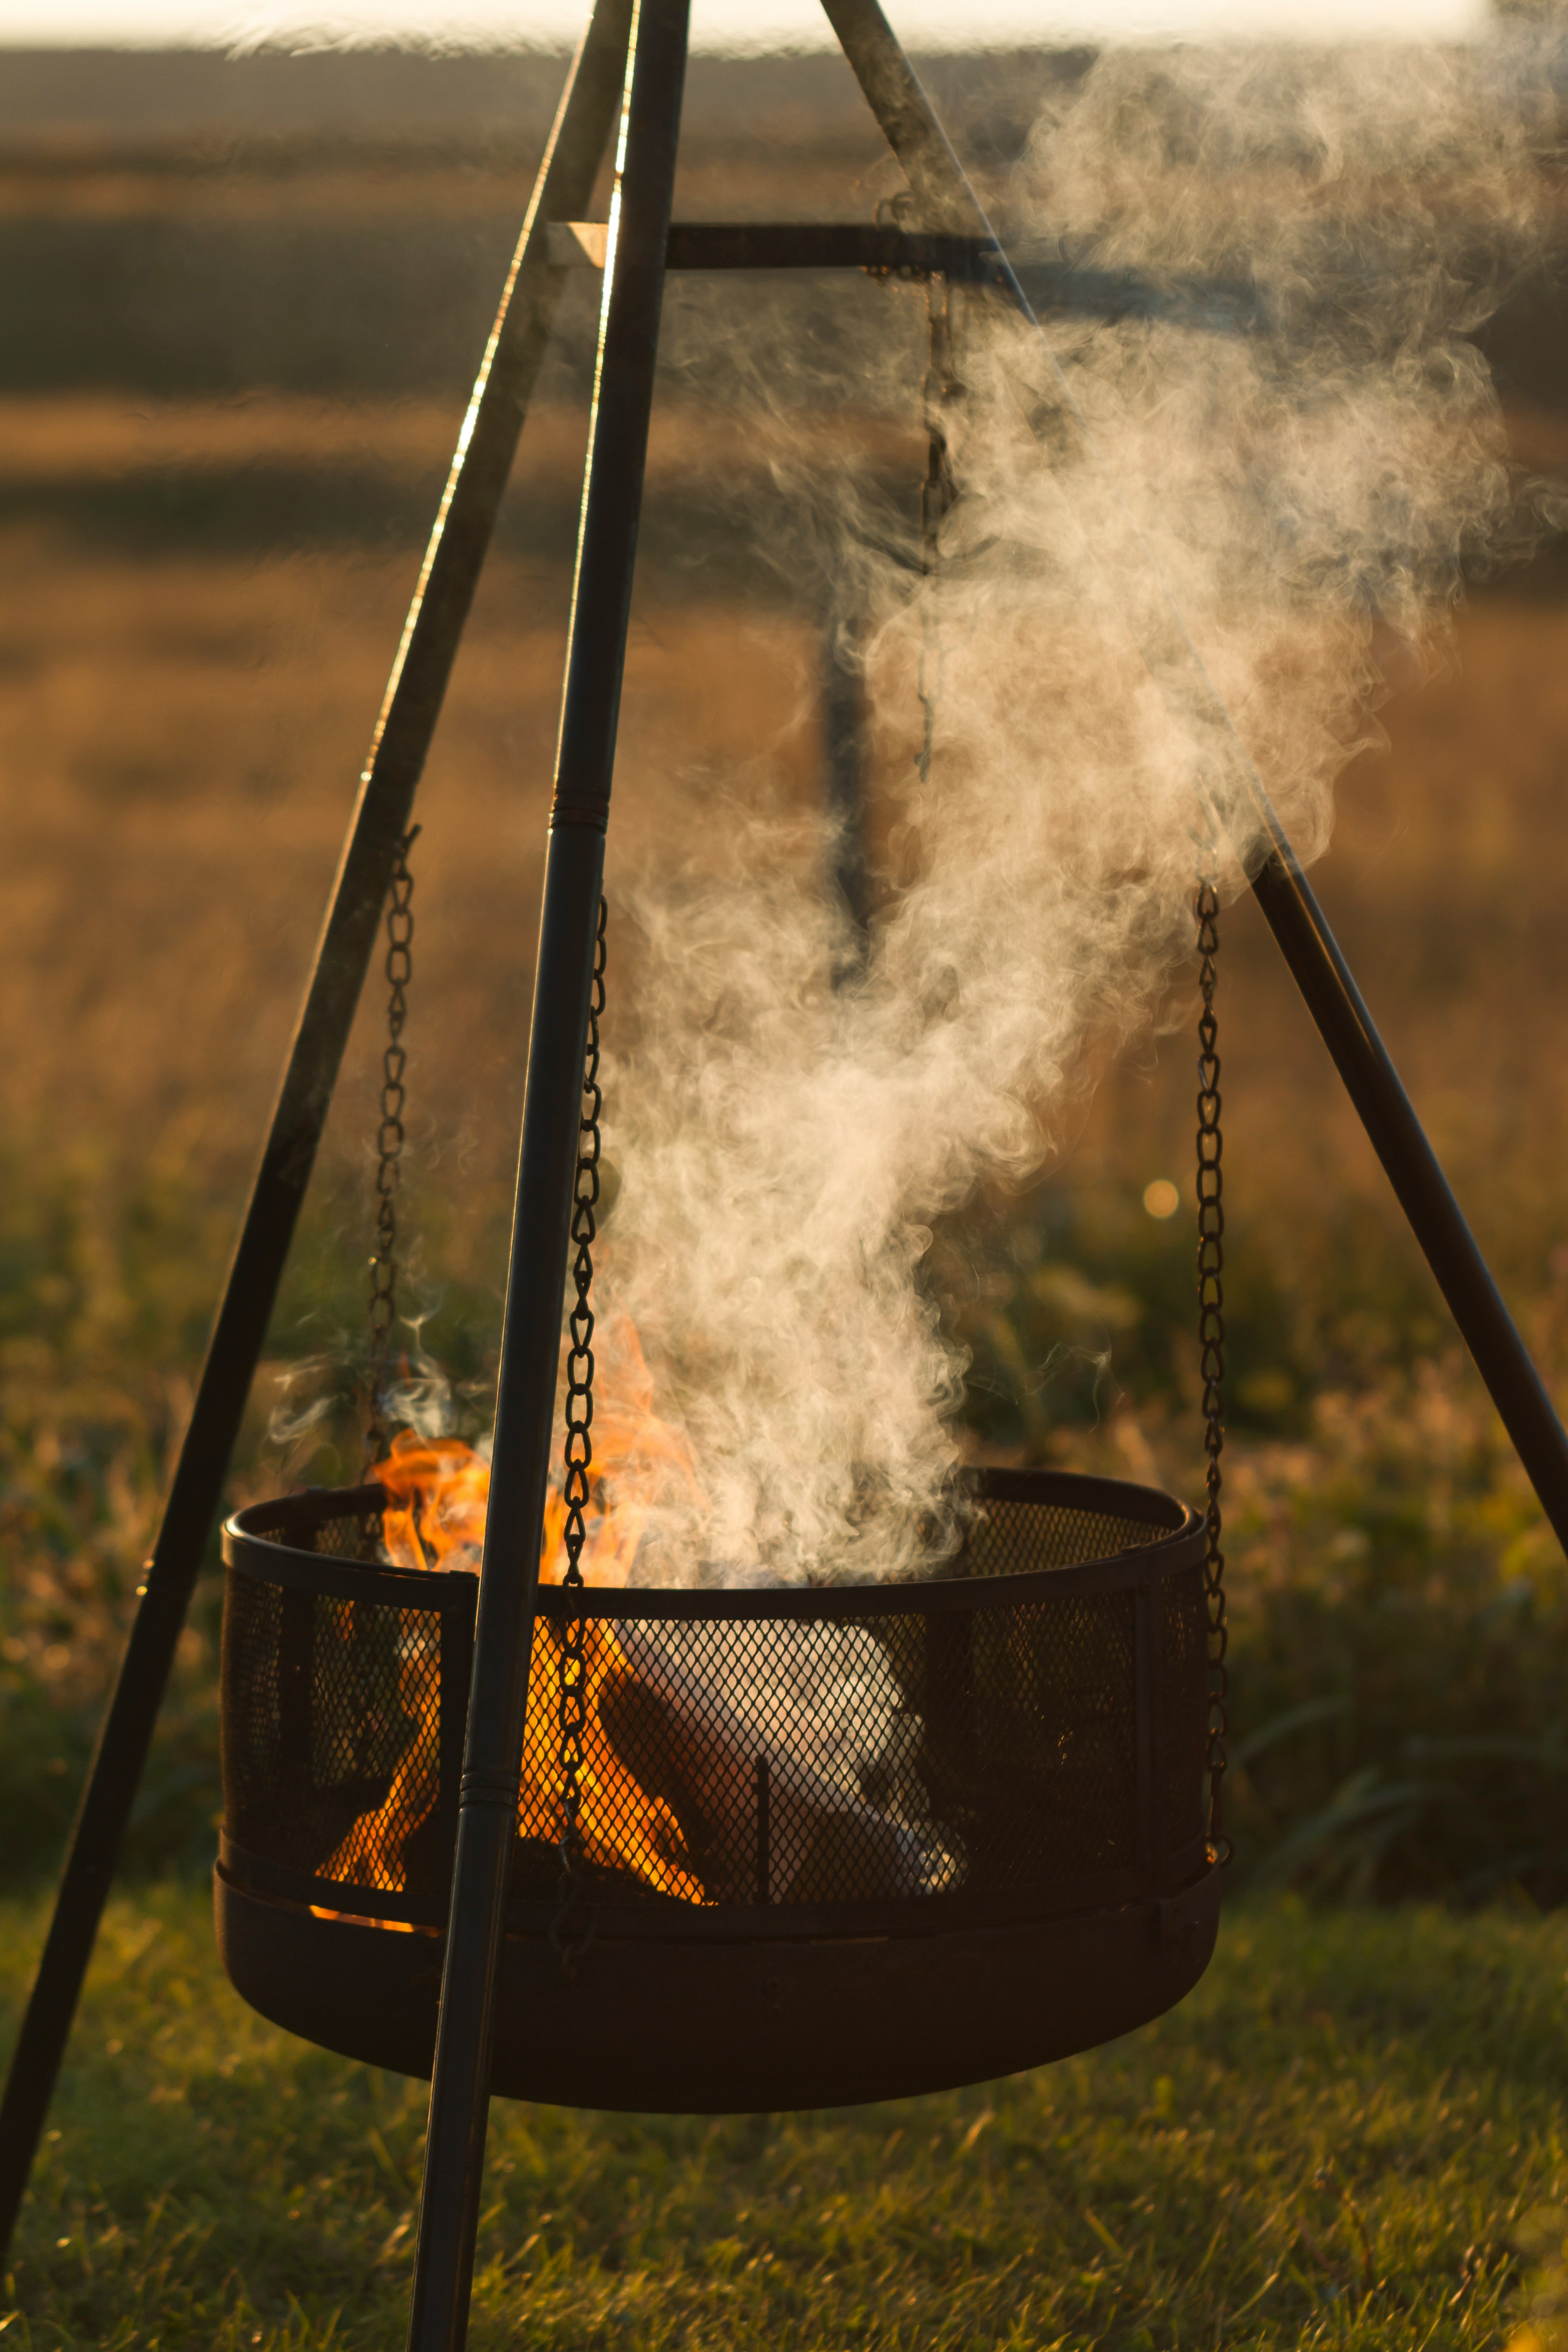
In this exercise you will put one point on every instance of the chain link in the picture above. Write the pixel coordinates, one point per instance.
(389, 1142)
(939, 491)
(572, 1669)
(1210, 1329)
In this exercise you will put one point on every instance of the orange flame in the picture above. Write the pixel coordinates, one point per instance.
(438, 1493)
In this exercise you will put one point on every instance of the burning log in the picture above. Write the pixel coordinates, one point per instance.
(790, 1777)
(776, 1777)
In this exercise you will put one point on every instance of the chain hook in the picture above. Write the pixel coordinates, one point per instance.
(572, 1665)
(939, 494)
(1210, 1329)
(389, 1143)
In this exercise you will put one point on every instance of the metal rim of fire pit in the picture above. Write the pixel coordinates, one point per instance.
(1080, 1928)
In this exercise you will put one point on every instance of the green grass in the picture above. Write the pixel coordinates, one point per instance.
(1351, 2135)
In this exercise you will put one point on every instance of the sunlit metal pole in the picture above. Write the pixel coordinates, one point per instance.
(553, 1111)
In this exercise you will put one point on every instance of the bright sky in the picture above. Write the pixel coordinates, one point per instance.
(743, 24)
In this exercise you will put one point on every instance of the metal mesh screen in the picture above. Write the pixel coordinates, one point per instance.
(835, 1758)
(355, 1536)
(1181, 1716)
(1009, 1536)
(331, 1735)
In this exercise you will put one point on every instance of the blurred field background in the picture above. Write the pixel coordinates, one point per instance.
(241, 306)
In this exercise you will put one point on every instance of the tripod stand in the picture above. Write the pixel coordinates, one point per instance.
(629, 67)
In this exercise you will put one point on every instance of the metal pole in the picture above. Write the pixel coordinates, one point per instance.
(844, 763)
(1321, 973)
(453, 559)
(950, 205)
(552, 1110)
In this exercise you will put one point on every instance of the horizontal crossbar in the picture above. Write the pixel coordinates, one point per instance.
(793, 244)
(1056, 286)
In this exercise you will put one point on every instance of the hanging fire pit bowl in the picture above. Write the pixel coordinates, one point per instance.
(845, 1843)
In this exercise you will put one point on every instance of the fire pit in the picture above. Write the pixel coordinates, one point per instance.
(842, 1842)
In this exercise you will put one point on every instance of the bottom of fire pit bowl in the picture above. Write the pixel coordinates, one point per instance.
(696, 2028)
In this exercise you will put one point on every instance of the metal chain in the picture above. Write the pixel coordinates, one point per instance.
(938, 490)
(1211, 1331)
(571, 1669)
(389, 1142)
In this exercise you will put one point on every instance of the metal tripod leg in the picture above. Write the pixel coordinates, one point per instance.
(408, 715)
(551, 1116)
(845, 762)
(949, 204)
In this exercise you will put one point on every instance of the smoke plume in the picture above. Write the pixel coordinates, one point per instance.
(1289, 428)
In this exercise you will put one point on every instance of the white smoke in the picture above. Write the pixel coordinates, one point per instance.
(1301, 481)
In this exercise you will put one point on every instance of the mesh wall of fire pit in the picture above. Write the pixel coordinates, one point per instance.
(843, 1843)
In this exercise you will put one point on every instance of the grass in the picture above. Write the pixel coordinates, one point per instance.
(1351, 2135)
